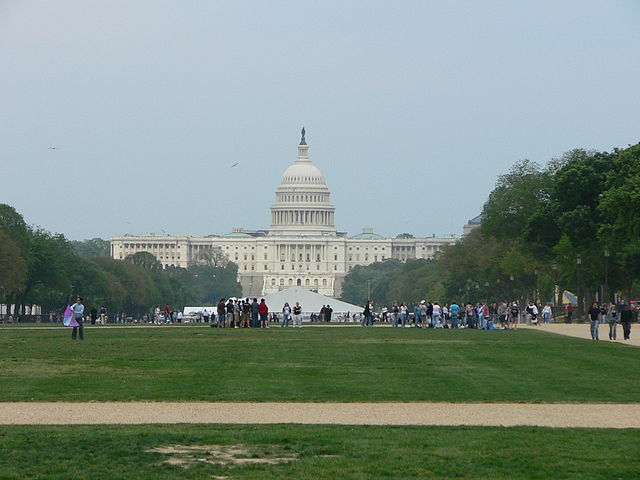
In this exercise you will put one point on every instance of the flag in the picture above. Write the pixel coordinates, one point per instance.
(69, 320)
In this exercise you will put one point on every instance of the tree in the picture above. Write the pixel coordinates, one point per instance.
(13, 268)
(94, 247)
(144, 260)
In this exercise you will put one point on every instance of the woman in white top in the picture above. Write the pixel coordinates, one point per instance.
(546, 313)
(437, 312)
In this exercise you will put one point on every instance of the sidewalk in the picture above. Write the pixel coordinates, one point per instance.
(583, 330)
(561, 415)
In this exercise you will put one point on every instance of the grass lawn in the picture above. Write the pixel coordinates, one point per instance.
(318, 452)
(311, 364)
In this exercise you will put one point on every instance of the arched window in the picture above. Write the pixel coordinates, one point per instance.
(290, 282)
(273, 282)
(315, 282)
(299, 283)
(282, 282)
(324, 282)
(306, 282)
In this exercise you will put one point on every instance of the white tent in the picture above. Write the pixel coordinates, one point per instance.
(311, 302)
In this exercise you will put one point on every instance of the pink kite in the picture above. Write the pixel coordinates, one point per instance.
(69, 320)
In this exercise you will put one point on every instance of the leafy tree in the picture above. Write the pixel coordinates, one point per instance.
(13, 268)
(94, 247)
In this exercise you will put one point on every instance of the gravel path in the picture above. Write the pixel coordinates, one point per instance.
(582, 330)
(484, 414)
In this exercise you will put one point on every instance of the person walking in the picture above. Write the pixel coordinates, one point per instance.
(626, 317)
(612, 319)
(395, 312)
(286, 315)
(594, 313)
(297, 316)
(546, 313)
(93, 313)
(437, 313)
(78, 314)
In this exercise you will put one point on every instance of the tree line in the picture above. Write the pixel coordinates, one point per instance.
(572, 223)
(45, 269)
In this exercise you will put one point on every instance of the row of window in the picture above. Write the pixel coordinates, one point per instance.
(307, 282)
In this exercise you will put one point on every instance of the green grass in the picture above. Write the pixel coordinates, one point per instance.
(311, 364)
(323, 452)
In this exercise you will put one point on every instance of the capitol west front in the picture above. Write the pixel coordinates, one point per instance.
(302, 247)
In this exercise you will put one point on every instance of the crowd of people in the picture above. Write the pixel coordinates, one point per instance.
(251, 313)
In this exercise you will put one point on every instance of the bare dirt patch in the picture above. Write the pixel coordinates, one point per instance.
(405, 341)
(186, 456)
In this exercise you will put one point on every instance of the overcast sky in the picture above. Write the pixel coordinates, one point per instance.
(412, 108)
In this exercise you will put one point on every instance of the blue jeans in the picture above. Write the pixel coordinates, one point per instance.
(545, 317)
(394, 319)
(454, 320)
(285, 320)
(403, 318)
(436, 320)
(255, 323)
(594, 330)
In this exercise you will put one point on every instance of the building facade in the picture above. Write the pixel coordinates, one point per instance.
(301, 248)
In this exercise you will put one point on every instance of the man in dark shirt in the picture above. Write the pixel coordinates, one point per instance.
(594, 314)
(626, 317)
(229, 322)
(255, 311)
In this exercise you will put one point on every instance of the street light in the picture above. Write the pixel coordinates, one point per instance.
(556, 300)
(368, 290)
(578, 263)
(605, 294)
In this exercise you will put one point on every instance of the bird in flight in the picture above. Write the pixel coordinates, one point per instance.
(53, 148)
(237, 163)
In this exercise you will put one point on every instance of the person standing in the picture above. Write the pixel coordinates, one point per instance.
(222, 312)
(395, 312)
(594, 313)
(255, 314)
(229, 307)
(626, 317)
(366, 315)
(263, 310)
(569, 313)
(514, 311)
(612, 319)
(437, 313)
(205, 314)
(246, 313)
(103, 314)
(78, 314)
(93, 313)
(297, 315)
(546, 313)
(327, 313)
(455, 310)
(286, 315)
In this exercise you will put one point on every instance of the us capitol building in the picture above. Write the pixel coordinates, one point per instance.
(302, 247)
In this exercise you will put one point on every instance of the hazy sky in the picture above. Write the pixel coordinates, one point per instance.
(412, 108)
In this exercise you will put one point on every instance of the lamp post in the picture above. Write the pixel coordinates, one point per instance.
(513, 293)
(554, 269)
(535, 291)
(578, 263)
(368, 290)
(605, 294)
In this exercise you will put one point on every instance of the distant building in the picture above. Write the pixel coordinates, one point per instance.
(301, 248)
(472, 224)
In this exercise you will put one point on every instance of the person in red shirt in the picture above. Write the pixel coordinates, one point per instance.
(569, 313)
(263, 310)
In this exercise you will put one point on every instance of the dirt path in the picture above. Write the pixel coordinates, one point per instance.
(485, 414)
(582, 330)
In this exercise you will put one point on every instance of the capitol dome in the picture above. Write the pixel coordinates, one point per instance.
(302, 200)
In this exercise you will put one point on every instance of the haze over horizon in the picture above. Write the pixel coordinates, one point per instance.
(411, 110)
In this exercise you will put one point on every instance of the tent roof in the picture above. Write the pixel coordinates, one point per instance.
(311, 302)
